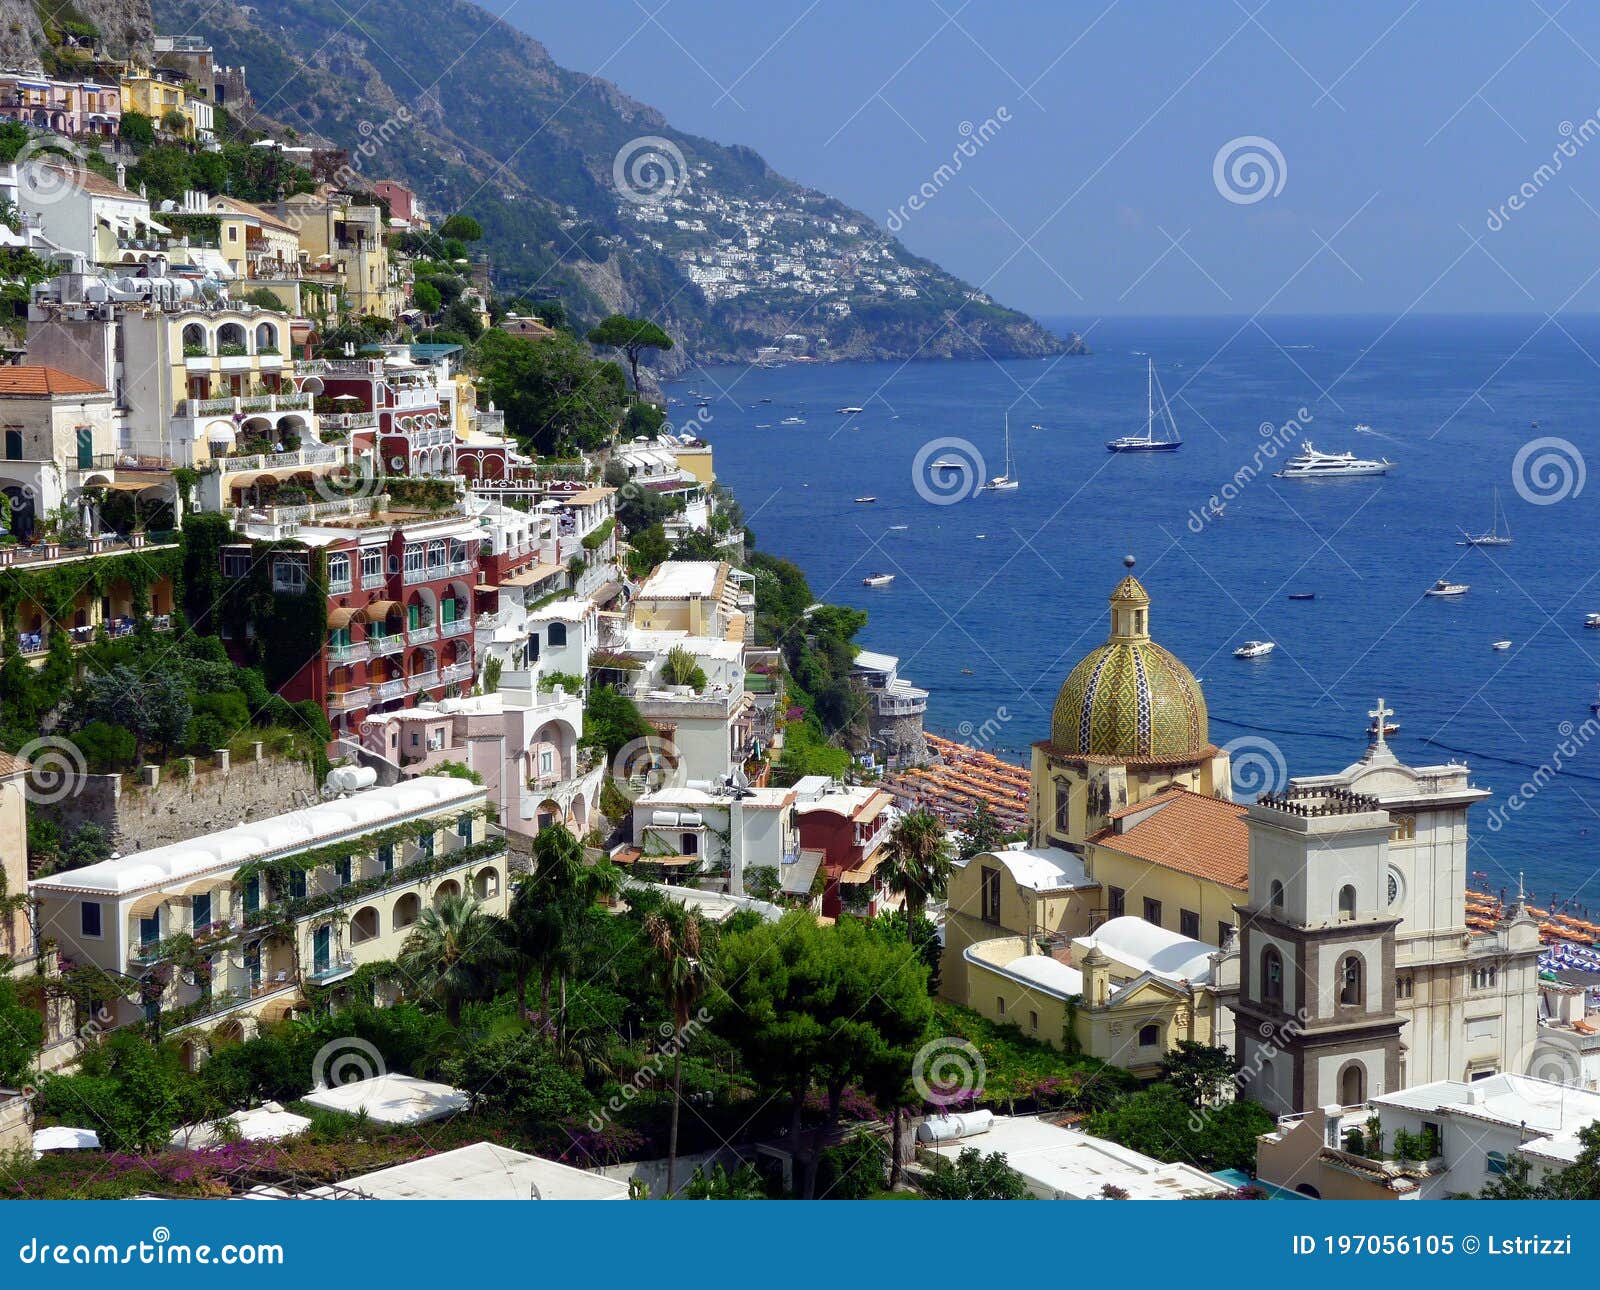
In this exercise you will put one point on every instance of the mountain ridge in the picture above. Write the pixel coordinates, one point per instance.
(477, 116)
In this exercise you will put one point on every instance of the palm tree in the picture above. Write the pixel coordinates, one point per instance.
(454, 951)
(533, 932)
(919, 864)
(681, 941)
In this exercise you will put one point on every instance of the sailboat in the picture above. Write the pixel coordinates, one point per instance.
(1147, 442)
(1494, 537)
(1005, 481)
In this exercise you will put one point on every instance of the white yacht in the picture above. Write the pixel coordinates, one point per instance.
(1591, 620)
(1500, 645)
(1005, 481)
(1498, 533)
(849, 411)
(877, 580)
(1255, 649)
(1444, 587)
(1311, 464)
(792, 421)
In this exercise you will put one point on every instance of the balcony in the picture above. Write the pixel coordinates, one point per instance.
(349, 700)
(460, 627)
(344, 653)
(423, 680)
(457, 672)
(383, 646)
(336, 970)
(422, 635)
(389, 690)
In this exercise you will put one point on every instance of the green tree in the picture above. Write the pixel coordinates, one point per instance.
(21, 1030)
(646, 549)
(1198, 1071)
(681, 969)
(819, 1008)
(126, 1089)
(461, 228)
(981, 833)
(553, 392)
(975, 1176)
(633, 336)
(453, 953)
(1157, 1121)
(919, 865)
(611, 720)
(522, 1076)
(426, 297)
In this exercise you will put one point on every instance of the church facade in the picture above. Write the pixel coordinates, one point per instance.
(1359, 974)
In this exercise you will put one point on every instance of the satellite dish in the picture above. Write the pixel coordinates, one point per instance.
(397, 463)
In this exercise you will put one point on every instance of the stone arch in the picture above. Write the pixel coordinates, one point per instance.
(486, 883)
(449, 887)
(266, 337)
(1352, 1084)
(194, 334)
(406, 910)
(232, 333)
(365, 925)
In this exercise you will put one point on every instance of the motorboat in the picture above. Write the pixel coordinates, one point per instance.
(867, 500)
(1389, 728)
(1501, 645)
(877, 580)
(1444, 587)
(1302, 595)
(898, 528)
(1255, 649)
(1311, 464)
(1168, 440)
(792, 421)
(849, 411)
(1591, 620)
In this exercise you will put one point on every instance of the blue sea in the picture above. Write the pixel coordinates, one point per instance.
(996, 595)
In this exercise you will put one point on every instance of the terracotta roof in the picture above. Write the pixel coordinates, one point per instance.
(1187, 832)
(95, 184)
(221, 205)
(10, 765)
(30, 378)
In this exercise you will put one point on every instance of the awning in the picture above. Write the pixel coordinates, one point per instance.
(608, 592)
(863, 872)
(134, 485)
(487, 586)
(533, 576)
(344, 615)
(798, 877)
(378, 610)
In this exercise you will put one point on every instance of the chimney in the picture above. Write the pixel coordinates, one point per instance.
(122, 175)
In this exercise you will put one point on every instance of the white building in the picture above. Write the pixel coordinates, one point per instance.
(699, 829)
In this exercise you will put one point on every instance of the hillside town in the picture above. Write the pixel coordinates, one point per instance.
(416, 782)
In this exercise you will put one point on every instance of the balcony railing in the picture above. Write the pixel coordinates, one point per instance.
(383, 646)
(423, 680)
(287, 401)
(390, 690)
(344, 653)
(349, 700)
(457, 672)
(422, 635)
(458, 628)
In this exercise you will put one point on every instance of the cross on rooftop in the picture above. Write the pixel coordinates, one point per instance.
(1379, 716)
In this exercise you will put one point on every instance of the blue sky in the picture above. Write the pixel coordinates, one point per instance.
(1400, 126)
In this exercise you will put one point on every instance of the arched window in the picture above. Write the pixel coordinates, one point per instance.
(1271, 976)
(1353, 1085)
(407, 909)
(266, 339)
(1352, 989)
(1347, 903)
(1276, 894)
(1063, 805)
(364, 925)
(1149, 1036)
(558, 635)
(194, 340)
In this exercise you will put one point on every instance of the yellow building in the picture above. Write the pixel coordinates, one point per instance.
(1178, 860)
(1128, 993)
(1129, 722)
(155, 98)
(348, 237)
(700, 597)
(1032, 895)
(15, 939)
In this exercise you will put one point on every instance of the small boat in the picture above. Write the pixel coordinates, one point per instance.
(980, 536)
(1501, 645)
(948, 463)
(792, 421)
(1389, 728)
(967, 671)
(1494, 537)
(898, 528)
(1034, 425)
(1255, 649)
(863, 501)
(1311, 464)
(877, 580)
(764, 400)
(1148, 442)
(1445, 588)
(1591, 620)
(848, 411)
(1302, 595)
(1005, 481)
